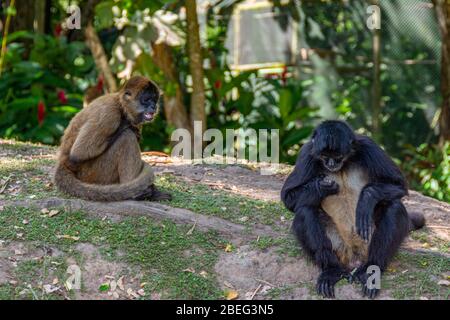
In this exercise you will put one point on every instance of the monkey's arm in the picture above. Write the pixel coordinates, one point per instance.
(302, 193)
(93, 137)
(370, 196)
(386, 183)
(306, 185)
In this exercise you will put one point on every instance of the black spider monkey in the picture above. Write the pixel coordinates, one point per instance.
(345, 192)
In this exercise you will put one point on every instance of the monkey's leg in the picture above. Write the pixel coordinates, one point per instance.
(312, 236)
(130, 165)
(370, 196)
(391, 227)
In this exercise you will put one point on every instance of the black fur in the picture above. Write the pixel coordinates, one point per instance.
(379, 207)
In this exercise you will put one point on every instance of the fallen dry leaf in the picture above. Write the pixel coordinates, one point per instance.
(141, 292)
(53, 213)
(66, 236)
(131, 293)
(25, 221)
(113, 285)
(48, 288)
(191, 229)
(231, 294)
(45, 211)
(120, 283)
(229, 248)
(445, 283)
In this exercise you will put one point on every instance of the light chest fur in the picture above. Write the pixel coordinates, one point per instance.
(341, 208)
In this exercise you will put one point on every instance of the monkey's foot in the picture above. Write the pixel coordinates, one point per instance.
(328, 279)
(153, 194)
(361, 276)
(160, 196)
(145, 194)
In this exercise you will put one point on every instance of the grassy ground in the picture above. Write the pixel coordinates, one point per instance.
(166, 259)
(157, 259)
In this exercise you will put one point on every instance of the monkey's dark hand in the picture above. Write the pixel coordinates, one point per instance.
(327, 186)
(328, 279)
(364, 224)
(145, 194)
(153, 194)
(361, 276)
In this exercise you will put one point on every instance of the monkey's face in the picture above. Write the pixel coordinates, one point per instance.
(332, 162)
(333, 144)
(141, 96)
(148, 103)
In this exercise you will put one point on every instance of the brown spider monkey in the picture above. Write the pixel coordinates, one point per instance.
(99, 157)
(345, 192)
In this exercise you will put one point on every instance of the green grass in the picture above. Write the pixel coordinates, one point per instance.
(230, 206)
(19, 147)
(426, 238)
(34, 175)
(161, 250)
(287, 245)
(421, 279)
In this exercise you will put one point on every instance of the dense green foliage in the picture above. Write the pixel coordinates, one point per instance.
(44, 77)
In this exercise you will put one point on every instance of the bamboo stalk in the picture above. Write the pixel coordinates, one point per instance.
(5, 36)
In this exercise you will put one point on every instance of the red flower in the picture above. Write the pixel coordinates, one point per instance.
(100, 84)
(218, 84)
(62, 97)
(284, 76)
(58, 30)
(41, 112)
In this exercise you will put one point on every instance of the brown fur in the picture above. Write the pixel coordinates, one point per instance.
(99, 157)
(341, 208)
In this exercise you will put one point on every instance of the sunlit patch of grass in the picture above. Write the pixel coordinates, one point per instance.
(236, 208)
(287, 245)
(24, 148)
(418, 276)
(31, 177)
(172, 262)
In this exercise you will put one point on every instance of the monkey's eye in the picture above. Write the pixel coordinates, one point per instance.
(128, 93)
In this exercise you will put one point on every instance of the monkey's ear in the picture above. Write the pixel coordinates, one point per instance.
(127, 95)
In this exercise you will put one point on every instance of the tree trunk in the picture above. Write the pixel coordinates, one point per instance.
(196, 67)
(443, 15)
(376, 84)
(100, 58)
(39, 16)
(24, 19)
(96, 47)
(174, 108)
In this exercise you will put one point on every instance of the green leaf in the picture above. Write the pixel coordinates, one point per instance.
(285, 103)
(103, 287)
(296, 136)
(11, 11)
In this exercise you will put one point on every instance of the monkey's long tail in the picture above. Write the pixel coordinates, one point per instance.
(67, 182)
(416, 220)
